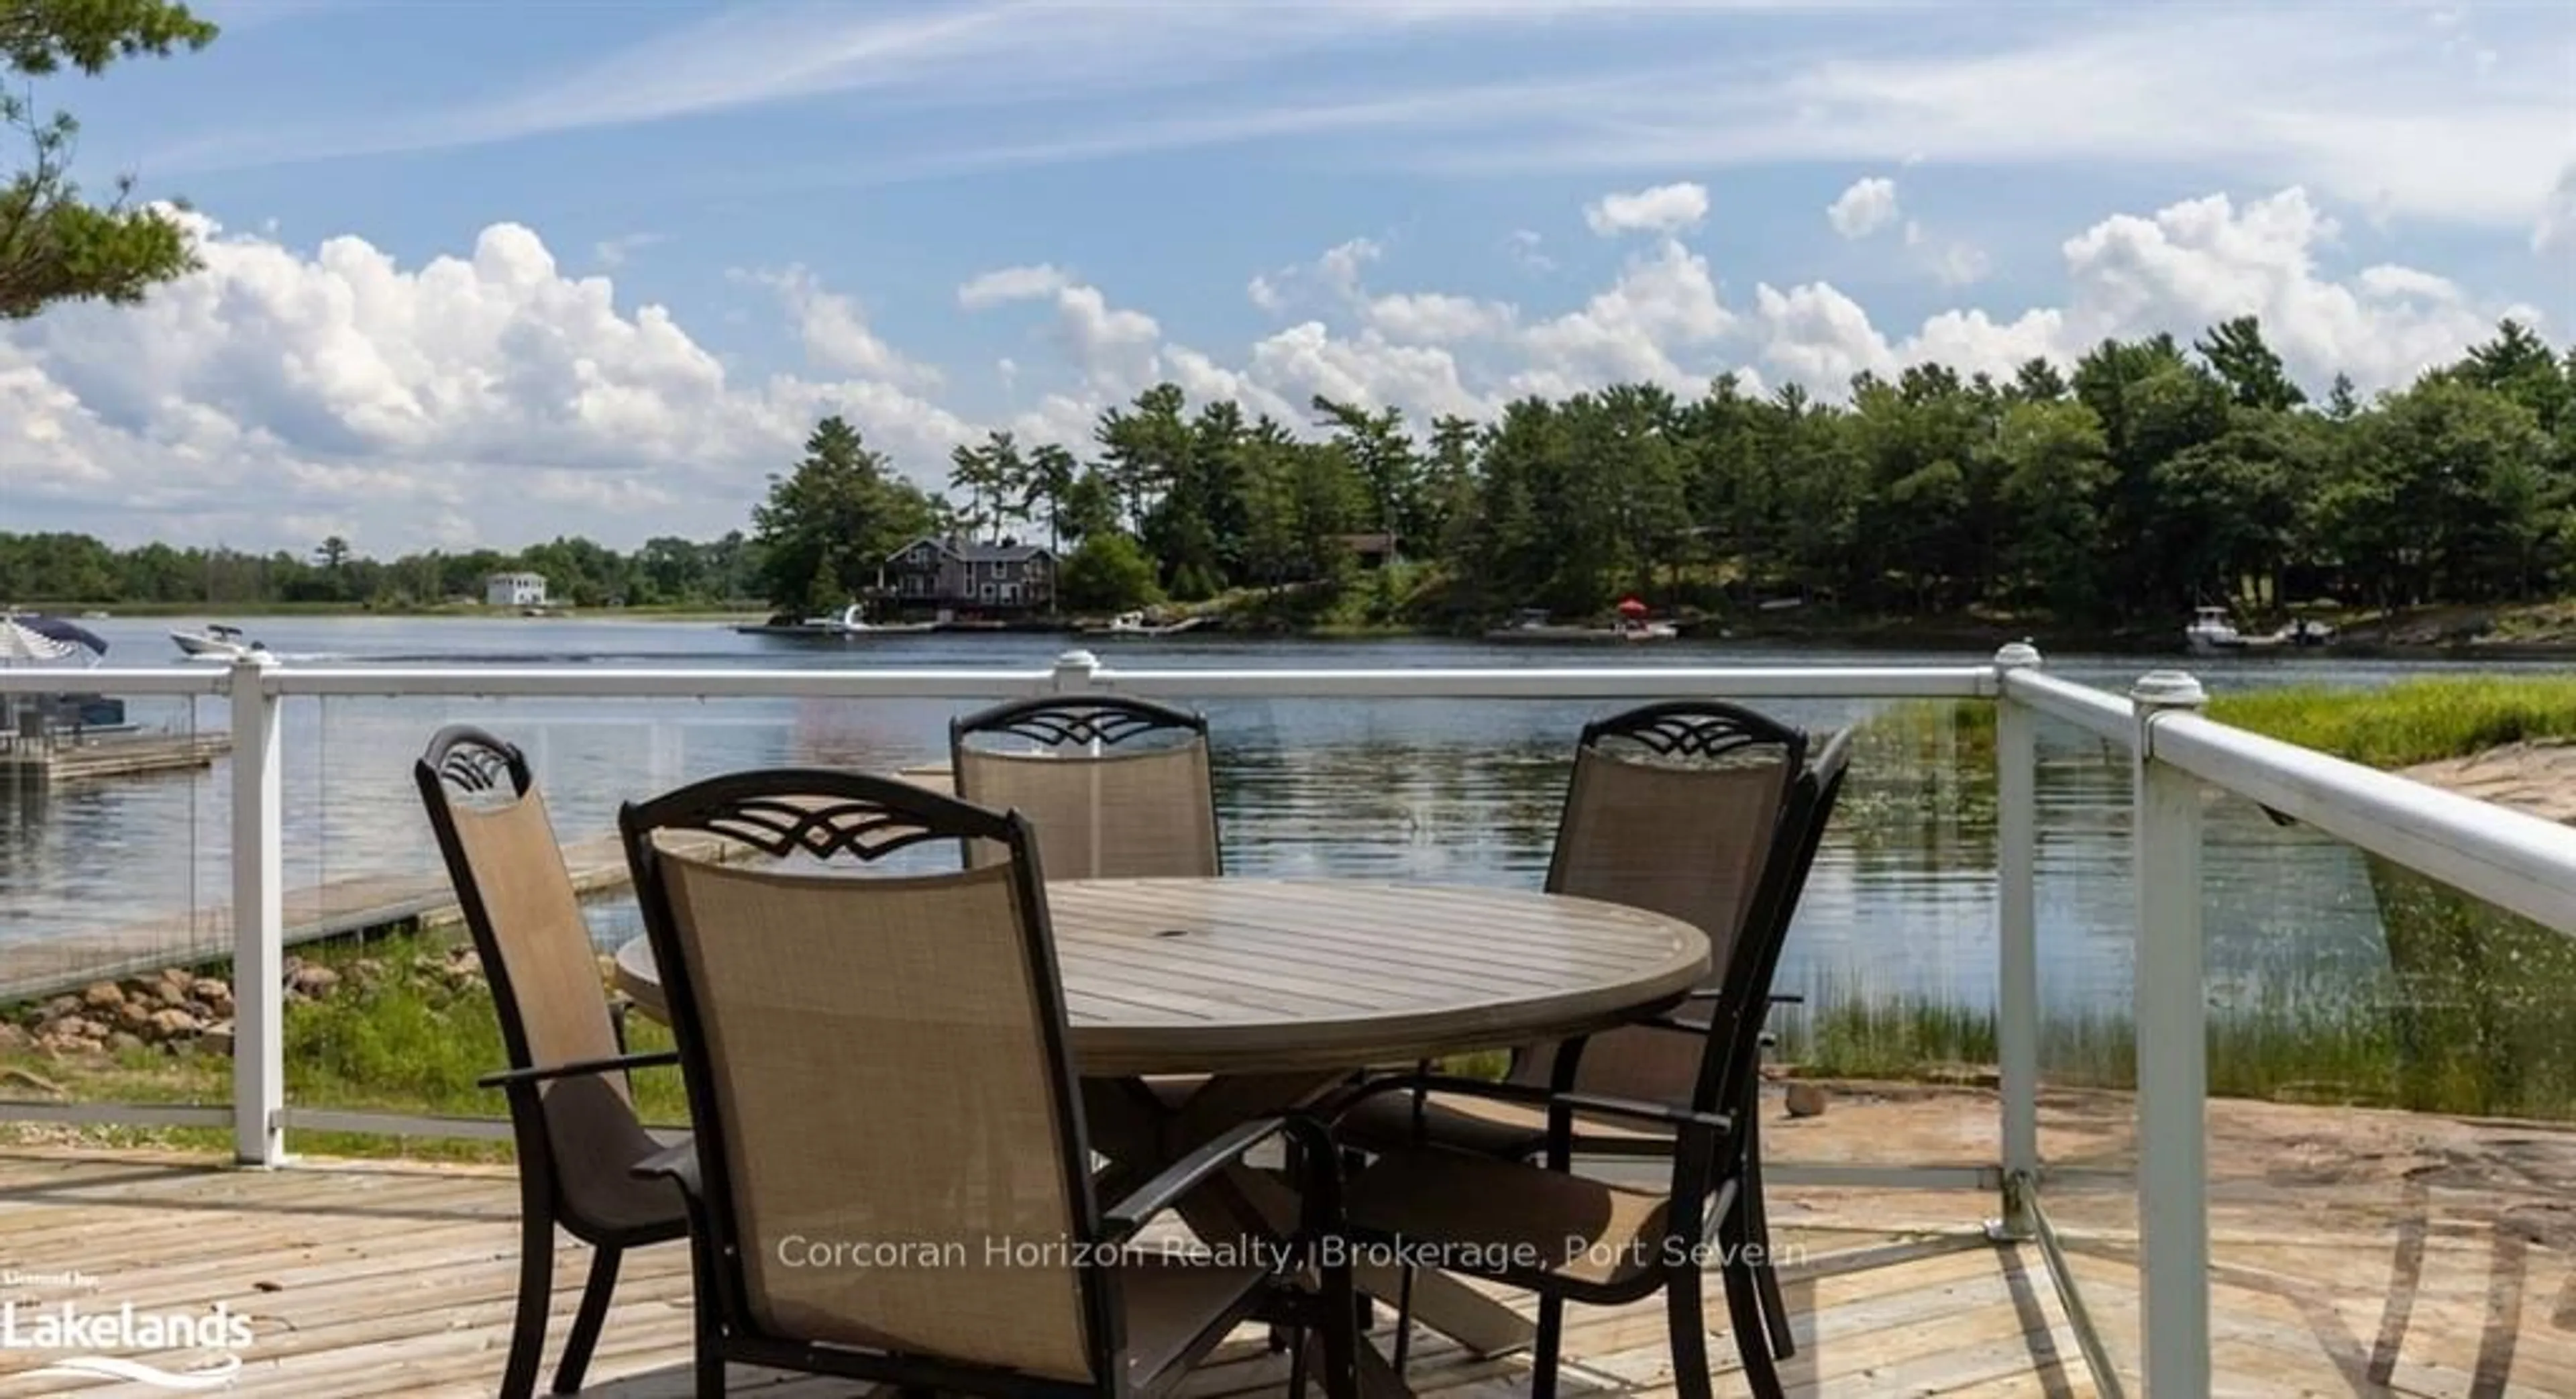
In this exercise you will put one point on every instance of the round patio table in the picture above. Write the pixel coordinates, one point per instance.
(1241, 998)
(1233, 976)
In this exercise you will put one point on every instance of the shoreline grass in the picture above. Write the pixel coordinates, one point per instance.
(2413, 721)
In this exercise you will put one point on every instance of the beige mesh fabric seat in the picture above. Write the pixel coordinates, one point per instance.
(1674, 807)
(1573, 1238)
(575, 1127)
(891, 1182)
(1118, 788)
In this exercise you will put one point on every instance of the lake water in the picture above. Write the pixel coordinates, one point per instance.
(1901, 903)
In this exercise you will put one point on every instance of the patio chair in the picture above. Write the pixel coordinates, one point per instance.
(571, 1115)
(1117, 788)
(880, 1059)
(1574, 1238)
(1673, 807)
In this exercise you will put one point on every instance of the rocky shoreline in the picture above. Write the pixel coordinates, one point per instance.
(179, 1012)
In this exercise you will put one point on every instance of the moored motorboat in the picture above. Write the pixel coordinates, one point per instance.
(2211, 633)
(1532, 624)
(850, 623)
(1133, 624)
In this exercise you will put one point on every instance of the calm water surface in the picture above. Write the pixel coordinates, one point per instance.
(1901, 902)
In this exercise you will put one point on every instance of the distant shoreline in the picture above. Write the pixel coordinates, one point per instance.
(2544, 631)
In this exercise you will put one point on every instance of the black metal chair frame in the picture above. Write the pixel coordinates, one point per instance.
(825, 813)
(1710, 1180)
(1690, 729)
(470, 759)
(1711, 729)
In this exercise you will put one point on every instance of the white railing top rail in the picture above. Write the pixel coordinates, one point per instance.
(2512, 859)
(2096, 711)
(1604, 682)
(1074, 671)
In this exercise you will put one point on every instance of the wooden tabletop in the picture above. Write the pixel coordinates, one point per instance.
(1189, 976)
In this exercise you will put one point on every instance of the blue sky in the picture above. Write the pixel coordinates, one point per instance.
(674, 234)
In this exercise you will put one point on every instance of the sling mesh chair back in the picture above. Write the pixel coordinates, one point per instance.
(893, 1179)
(1672, 808)
(1117, 788)
(570, 1111)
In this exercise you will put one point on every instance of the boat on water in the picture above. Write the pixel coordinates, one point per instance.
(1533, 624)
(1133, 624)
(216, 642)
(2210, 632)
(852, 622)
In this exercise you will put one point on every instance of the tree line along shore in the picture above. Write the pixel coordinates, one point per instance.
(2096, 500)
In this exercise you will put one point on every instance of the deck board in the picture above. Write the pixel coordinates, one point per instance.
(392, 1278)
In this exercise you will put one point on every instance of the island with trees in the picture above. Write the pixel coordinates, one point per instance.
(2104, 497)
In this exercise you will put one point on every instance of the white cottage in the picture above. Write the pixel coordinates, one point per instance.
(515, 590)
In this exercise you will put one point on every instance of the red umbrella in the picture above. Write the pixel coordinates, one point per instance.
(1630, 607)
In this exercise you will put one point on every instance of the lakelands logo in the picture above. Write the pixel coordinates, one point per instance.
(66, 1327)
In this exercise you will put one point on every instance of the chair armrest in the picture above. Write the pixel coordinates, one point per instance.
(678, 1163)
(522, 1078)
(1635, 1110)
(1501, 1091)
(1675, 1023)
(1711, 993)
(1165, 1189)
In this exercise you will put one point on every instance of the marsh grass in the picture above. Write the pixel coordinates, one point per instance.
(2414, 721)
(1921, 771)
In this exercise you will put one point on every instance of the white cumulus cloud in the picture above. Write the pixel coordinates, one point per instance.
(1662, 209)
(488, 397)
(836, 331)
(1009, 284)
(1863, 209)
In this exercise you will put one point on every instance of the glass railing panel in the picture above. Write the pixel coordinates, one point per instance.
(393, 1014)
(2390, 1092)
(115, 892)
(2085, 893)
(1896, 925)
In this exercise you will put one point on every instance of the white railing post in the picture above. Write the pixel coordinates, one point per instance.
(259, 916)
(1075, 672)
(2173, 1057)
(2017, 939)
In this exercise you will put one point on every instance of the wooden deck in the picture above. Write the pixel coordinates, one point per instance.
(389, 1278)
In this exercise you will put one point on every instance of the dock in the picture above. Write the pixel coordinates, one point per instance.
(359, 903)
(64, 758)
